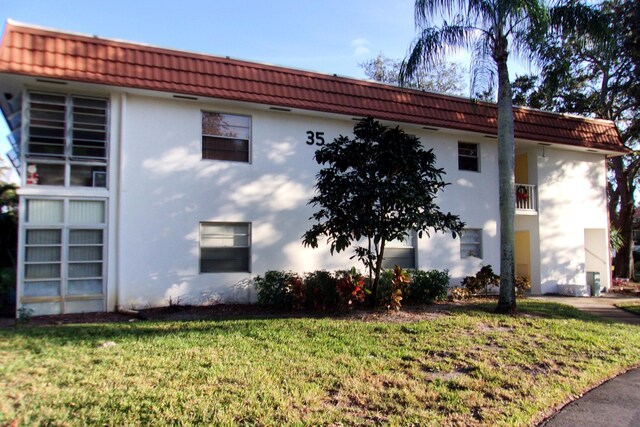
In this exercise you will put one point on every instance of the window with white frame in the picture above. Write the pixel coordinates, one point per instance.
(66, 140)
(468, 157)
(400, 252)
(471, 243)
(226, 136)
(64, 253)
(225, 247)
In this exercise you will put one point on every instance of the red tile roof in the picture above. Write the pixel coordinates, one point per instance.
(51, 54)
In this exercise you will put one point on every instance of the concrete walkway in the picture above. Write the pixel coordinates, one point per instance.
(601, 306)
(617, 401)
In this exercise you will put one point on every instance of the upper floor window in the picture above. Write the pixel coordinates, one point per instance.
(66, 140)
(226, 136)
(468, 157)
(471, 243)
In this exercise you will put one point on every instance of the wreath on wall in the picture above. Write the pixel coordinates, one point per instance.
(522, 194)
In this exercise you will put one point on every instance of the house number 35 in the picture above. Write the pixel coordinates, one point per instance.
(315, 138)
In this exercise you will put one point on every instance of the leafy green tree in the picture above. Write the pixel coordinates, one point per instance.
(491, 30)
(442, 77)
(377, 187)
(590, 67)
(8, 243)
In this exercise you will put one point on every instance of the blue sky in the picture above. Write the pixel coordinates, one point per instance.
(331, 36)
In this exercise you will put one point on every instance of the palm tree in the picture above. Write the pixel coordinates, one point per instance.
(491, 30)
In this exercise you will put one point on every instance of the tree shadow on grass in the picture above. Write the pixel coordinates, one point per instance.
(250, 320)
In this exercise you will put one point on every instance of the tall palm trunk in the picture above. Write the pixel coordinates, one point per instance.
(506, 162)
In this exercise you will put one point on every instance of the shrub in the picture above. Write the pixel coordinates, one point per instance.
(7, 292)
(392, 288)
(428, 286)
(523, 284)
(458, 294)
(351, 289)
(321, 293)
(484, 278)
(296, 289)
(385, 288)
(272, 289)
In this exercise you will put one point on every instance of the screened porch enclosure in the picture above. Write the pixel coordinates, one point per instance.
(64, 256)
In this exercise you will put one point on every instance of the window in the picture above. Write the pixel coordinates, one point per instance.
(64, 254)
(226, 137)
(400, 253)
(468, 158)
(471, 243)
(225, 247)
(66, 142)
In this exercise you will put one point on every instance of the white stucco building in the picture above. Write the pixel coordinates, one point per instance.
(150, 173)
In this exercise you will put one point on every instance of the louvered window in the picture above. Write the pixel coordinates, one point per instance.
(66, 140)
(64, 254)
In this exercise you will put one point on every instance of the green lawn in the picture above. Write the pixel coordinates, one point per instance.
(469, 367)
(630, 307)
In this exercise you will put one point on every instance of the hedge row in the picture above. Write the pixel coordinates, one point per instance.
(323, 290)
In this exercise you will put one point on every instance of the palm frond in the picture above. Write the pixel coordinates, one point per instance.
(483, 68)
(431, 46)
(426, 10)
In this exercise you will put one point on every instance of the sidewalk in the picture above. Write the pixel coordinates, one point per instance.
(617, 401)
(599, 306)
(614, 403)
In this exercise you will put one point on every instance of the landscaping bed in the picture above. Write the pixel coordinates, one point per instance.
(448, 364)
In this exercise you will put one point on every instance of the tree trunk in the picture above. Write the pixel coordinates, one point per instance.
(621, 210)
(506, 166)
(376, 278)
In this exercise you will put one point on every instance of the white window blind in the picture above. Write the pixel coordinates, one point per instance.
(44, 211)
(86, 212)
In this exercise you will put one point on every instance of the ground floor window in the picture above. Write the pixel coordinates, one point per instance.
(471, 243)
(400, 252)
(64, 255)
(225, 247)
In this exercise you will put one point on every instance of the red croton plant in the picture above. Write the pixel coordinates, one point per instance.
(351, 289)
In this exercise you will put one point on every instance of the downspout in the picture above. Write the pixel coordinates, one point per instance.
(118, 195)
(608, 240)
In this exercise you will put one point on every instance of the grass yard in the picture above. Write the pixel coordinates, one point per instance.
(630, 307)
(467, 367)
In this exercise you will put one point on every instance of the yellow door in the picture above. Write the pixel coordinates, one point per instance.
(523, 254)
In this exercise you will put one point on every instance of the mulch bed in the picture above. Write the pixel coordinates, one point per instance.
(240, 311)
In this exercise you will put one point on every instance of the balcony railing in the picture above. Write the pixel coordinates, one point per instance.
(526, 198)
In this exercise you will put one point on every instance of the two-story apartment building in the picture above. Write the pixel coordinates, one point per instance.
(150, 174)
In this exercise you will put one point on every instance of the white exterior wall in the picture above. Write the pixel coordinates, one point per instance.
(166, 190)
(160, 189)
(474, 197)
(572, 195)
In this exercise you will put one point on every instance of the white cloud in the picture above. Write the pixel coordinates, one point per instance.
(361, 46)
